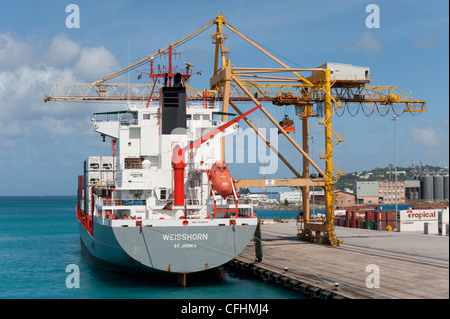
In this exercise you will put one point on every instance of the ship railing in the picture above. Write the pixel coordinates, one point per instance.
(108, 116)
(245, 201)
(162, 202)
(128, 119)
(85, 219)
(192, 202)
(102, 184)
(122, 202)
(129, 165)
(220, 202)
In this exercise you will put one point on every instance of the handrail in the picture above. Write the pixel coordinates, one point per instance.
(123, 202)
(85, 220)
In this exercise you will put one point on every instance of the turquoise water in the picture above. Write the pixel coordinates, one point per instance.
(269, 213)
(39, 239)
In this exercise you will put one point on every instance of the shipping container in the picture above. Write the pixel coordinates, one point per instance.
(430, 206)
(107, 177)
(392, 207)
(391, 216)
(368, 217)
(370, 224)
(92, 178)
(80, 181)
(339, 212)
(107, 163)
(391, 223)
(93, 163)
(415, 219)
(80, 194)
(88, 195)
(358, 215)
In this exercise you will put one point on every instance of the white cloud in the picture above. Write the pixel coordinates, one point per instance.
(95, 63)
(13, 129)
(58, 127)
(425, 135)
(22, 91)
(13, 52)
(368, 42)
(63, 52)
(24, 84)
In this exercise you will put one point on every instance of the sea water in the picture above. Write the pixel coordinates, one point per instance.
(39, 239)
(287, 214)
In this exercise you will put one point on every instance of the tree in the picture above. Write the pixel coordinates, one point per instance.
(286, 202)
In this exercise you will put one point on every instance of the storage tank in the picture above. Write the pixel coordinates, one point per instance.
(438, 188)
(446, 185)
(426, 185)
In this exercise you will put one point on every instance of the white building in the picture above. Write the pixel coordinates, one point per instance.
(292, 197)
(257, 198)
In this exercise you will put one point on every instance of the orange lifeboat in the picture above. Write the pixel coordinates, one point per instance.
(221, 179)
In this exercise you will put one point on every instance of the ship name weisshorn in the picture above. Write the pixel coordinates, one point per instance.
(185, 236)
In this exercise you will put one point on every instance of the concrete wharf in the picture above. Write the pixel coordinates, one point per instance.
(410, 265)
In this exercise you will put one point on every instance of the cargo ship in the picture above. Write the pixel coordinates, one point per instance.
(164, 201)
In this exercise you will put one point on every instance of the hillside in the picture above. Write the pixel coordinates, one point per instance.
(377, 174)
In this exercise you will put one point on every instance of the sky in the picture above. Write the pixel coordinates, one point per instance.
(43, 145)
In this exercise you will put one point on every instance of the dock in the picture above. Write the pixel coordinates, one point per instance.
(369, 264)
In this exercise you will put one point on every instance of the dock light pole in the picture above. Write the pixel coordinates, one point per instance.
(395, 119)
(312, 137)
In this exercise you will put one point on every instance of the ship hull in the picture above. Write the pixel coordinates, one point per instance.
(168, 248)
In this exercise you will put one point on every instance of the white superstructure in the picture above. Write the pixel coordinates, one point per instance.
(143, 169)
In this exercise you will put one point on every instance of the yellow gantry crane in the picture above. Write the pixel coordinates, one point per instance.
(283, 85)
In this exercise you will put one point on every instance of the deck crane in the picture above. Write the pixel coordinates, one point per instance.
(283, 85)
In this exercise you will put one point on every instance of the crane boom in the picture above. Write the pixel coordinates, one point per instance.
(283, 86)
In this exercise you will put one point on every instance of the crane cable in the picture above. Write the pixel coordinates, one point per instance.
(367, 115)
(379, 112)
(160, 53)
(352, 115)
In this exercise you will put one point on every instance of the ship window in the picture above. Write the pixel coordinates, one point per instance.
(133, 163)
(163, 194)
(146, 116)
